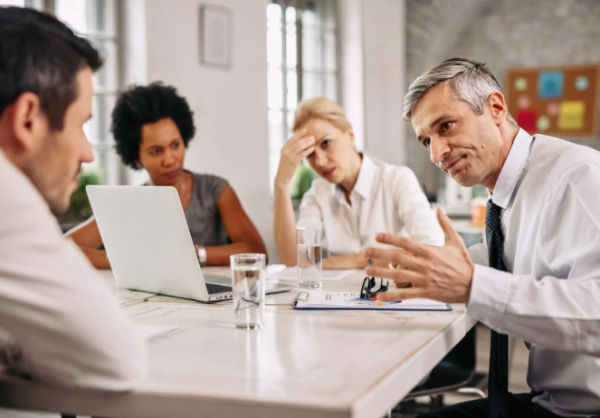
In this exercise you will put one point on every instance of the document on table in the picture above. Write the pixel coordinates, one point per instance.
(351, 300)
(291, 273)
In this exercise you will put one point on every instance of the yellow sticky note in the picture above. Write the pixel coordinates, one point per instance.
(571, 115)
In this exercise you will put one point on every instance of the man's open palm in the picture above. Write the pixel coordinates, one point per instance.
(440, 273)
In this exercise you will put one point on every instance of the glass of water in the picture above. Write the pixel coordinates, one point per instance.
(309, 244)
(248, 277)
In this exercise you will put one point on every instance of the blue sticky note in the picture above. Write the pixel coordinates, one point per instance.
(550, 84)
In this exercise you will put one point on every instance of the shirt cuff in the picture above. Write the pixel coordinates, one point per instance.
(490, 294)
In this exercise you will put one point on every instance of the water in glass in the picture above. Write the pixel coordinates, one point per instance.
(249, 295)
(309, 265)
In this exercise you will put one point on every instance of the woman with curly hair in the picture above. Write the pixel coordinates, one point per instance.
(152, 126)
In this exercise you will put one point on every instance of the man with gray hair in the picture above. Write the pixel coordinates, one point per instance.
(538, 276)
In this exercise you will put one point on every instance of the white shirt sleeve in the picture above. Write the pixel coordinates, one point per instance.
(559, 311)
(479, 254)
(414, 210)
(59, 322)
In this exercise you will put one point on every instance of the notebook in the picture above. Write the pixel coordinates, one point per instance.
(334, 300)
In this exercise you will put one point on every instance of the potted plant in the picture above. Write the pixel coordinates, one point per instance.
(80, 208)
(302, 182)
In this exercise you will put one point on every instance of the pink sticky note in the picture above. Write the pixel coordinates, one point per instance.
(523, 101)
(553, 108)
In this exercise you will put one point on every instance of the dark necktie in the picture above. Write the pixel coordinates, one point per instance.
(498, 377)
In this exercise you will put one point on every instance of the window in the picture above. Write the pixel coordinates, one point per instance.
(33, 4)
(96, 20)
(302, 63)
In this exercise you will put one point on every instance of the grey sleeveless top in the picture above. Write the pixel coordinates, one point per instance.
(202, 213)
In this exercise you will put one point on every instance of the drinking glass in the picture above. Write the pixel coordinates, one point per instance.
(309, 245)
(248, 277)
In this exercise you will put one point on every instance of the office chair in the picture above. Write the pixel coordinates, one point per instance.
(455, 373)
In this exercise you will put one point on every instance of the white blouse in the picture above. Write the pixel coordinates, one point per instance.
(385, 198)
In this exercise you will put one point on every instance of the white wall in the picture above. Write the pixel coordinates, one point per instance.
(352, 69)
(230, 105)
(384, 55)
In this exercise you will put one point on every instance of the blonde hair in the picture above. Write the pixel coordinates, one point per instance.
(321, 108)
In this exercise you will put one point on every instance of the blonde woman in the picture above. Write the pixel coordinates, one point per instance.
(356, 197)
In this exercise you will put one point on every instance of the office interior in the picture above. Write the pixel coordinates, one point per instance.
(364, 54)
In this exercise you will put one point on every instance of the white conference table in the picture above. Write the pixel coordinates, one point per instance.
(301, 364)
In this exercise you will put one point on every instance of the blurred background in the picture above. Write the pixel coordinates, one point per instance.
(244, 65)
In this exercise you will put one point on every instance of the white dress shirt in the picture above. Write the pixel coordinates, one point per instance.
(385, 198)
(549, 190)
(59, 322)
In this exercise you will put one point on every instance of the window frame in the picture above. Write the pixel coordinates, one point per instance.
(104, 150)
(321, 72)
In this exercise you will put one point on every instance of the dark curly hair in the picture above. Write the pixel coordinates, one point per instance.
(140, 105)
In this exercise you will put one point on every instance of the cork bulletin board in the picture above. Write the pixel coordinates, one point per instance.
(560, 101)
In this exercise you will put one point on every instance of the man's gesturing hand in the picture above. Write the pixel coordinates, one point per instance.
(439, 273)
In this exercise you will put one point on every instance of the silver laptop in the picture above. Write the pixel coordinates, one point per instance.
(149, 246)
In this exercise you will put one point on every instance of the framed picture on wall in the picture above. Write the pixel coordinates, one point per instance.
(216, 28)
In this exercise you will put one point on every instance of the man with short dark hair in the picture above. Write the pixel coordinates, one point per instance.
(538, 276)
(59, 322)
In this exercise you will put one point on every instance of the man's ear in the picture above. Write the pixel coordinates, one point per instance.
(498, 107)
(28, 122)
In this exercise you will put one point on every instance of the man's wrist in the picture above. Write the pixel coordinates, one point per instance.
(490, 295)
(470, 284)
(201, 254)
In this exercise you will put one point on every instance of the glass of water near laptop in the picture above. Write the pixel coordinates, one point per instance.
(248, 287)
(309, 240)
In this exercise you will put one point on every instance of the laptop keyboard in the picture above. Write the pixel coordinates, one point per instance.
(216, 288)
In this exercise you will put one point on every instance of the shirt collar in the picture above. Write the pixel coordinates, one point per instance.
(513, 169)
(364, 182)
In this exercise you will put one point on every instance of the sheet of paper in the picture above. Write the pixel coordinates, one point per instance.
(151, 332)
(291, 273)
(351, 300)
